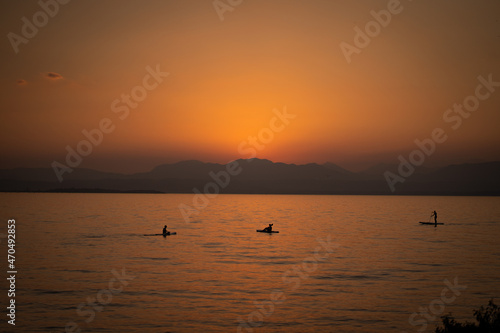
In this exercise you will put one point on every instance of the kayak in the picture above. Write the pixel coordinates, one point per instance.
(269, 232)
(167, 234)
(429, 223)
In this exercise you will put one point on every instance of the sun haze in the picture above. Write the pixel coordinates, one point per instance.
(154, 82)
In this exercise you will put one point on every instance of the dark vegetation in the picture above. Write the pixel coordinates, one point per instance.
(487, 321)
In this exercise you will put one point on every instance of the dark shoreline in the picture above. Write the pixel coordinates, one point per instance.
(495, 194)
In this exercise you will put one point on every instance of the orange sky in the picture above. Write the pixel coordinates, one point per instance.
(226, 77)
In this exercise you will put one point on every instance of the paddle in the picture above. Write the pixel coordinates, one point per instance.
(435, 222)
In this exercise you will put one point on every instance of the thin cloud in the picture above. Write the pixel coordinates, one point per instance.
(53, 76)
(21, 82)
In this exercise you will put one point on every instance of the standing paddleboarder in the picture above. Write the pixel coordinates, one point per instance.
(435, 215)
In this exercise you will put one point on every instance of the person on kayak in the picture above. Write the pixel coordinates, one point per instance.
(435, 215)
(165, 230)
(269, 229)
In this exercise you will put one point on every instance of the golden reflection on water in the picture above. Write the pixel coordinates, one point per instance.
(217, 272)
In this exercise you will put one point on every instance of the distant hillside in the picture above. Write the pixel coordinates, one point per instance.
(263, 177)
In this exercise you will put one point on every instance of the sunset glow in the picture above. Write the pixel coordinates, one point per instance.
(225, 78)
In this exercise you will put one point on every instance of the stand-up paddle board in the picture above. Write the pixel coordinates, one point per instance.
(429, 223)
(167, 234)
(269, 232)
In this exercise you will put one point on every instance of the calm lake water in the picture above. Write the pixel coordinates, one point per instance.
(339, 263)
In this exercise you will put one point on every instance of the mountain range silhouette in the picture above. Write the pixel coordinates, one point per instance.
(260, 176)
